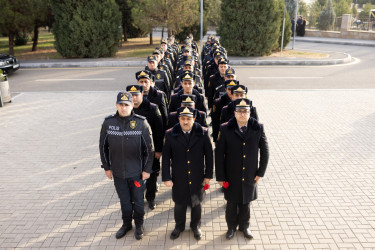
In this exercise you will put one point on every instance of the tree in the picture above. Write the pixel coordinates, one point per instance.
(128, 28)
(288, 24)
(365, 13)
(342, 7)
(42, 15)
(250, 28)
(86, 28)
(16, 17)
(354, 11)
(327, 17)
(291, 7)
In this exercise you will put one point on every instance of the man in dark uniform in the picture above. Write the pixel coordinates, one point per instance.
(127, 152)
(236, 157)
(218, 105)
(188, 153)
(216, 80)
(187, 83)
(161, 78)
(187, 101)
(154, 95)
(239, 91)
(230, 74)
(143, 107)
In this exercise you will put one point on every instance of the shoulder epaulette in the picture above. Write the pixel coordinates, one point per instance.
(169, 130)
(140, 117)
(110, 116)
(173, 113)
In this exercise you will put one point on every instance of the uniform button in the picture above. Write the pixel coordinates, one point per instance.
(188, 162)
(244, 144)
(244, 168)
(189, 172)
(243, 179)
(190, 182)
(188, 150)
(244, 156)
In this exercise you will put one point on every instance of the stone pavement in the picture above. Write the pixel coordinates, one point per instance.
(318, 191)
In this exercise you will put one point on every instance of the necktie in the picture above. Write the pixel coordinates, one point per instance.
(186, 135)
(243, 128)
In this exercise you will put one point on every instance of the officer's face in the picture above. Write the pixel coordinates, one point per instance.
(146, 83)
(158, 57)
(190, 105)
(238, 96)
(223, 68)
(186, 53)
(230, 77)
(152, 65)
(164, 46)
(137, 99)
(186, 122)
(187, 67)
(188, 86)
(124, 109)
(242, 115)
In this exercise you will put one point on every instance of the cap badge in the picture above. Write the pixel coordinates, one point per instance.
(242, 103)
(142, 73)
(186, 111)
(133, 88)
(124, 97)
(240, 89)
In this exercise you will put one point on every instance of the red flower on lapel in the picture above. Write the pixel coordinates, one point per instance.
(225, 185)
(206, 186)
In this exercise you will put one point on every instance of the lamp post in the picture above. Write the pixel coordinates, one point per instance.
(295, 25)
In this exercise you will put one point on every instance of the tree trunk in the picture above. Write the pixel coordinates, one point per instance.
(125, 32)
(35, 38)
(151, 42)
(162, 32)
(11, 43)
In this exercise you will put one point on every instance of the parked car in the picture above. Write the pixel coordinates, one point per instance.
(8, 63)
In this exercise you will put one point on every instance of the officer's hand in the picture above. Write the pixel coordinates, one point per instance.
(108, 173)
(256, 179)
(221, 183)
(206, 181)
(157, 155)
(168, 183)
(145, 175)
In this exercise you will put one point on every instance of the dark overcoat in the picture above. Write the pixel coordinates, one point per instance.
(187, 164)
(236, 157)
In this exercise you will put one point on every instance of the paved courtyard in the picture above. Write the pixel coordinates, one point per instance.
(318, 191)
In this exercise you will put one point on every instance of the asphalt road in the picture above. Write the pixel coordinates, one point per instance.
(357, 75)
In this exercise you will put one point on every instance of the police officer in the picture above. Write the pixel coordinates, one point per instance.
(161, 78)
(154, 95)
(187, 101)
(126, 152)
(188, 153)
(239, 91)
(188, 83)
(230, 74)
(218, 105)
(143, 107)
(236, 157)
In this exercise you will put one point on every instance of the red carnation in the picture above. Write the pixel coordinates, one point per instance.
(206, 186)
(136, 183)
(225, 185)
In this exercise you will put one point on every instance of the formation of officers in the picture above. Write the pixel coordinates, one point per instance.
(161, 126)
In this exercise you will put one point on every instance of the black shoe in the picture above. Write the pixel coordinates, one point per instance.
(230, 234)
(175, 234)
(152, 204)
(138, 233)
(197, 233)
(122, 231)
(248, 234)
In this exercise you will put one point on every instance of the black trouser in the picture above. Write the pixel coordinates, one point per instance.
(131, 200)
(237, 214)
(180, 216)
(151, 182)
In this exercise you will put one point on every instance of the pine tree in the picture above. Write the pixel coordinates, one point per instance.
(327, 17)
(250, 28)
(85, 28)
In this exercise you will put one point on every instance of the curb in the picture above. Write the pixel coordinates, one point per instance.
(336, 42)
(346, 59)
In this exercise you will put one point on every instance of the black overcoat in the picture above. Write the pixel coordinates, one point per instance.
(187, 164)
(236, 158)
